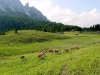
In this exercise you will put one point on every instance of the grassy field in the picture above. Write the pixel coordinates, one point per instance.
(82, 61)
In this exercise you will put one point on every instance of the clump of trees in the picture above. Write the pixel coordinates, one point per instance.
(95, 27)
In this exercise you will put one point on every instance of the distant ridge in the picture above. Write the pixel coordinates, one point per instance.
(10, 7)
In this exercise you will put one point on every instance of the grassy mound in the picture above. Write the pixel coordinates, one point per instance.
(29, 36)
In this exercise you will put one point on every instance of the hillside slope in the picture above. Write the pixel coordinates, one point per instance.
(82, 61)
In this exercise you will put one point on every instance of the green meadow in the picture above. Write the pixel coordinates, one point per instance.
(29, 43)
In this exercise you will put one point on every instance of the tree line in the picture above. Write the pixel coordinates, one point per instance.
(21, 23)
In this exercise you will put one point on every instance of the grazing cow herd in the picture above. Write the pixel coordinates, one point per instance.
(56, 51)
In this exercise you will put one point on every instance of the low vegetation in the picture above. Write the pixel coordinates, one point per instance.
(2, 33)
(19, 53)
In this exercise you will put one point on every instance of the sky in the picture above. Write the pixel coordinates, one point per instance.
(83, 13)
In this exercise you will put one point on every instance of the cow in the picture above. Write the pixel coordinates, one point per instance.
(66, 50)
(56, 51)
(74, 47)
(93, 42)
(51, 51)
(41, 54)
(22, 57)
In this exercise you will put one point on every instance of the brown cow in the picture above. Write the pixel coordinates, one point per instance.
(56, 51)
(74, 47)
(51, 51)
(41, 54)
(66, 50)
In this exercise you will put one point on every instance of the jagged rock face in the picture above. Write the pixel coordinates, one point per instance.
(27, 5)
(9, 6)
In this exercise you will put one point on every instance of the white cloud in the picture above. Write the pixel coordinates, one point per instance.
(89, 18)
(66, 16)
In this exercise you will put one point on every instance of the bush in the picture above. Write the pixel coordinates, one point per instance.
(2, 33)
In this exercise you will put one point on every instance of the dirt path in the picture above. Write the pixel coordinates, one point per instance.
(63, 71)
(4, 58)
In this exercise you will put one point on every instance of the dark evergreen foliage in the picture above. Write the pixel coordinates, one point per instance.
(20, 22)
(95, 27)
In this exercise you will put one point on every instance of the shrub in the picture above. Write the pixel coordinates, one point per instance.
(2, 33)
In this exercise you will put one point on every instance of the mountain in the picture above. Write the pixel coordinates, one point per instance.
(15, 7)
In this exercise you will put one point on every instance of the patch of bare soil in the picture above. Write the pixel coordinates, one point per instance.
(63, 71)
(4, 58)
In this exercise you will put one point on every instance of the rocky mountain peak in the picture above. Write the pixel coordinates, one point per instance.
(27, 4)
(13, 6)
